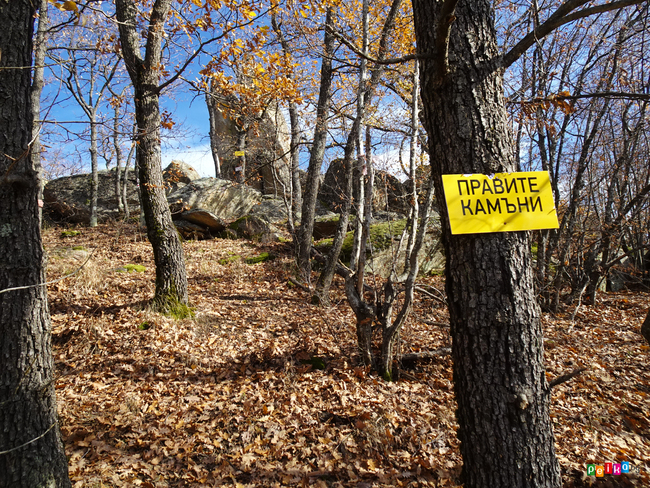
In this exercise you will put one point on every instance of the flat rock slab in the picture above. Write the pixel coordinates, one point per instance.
(223, 198)
(204, 218)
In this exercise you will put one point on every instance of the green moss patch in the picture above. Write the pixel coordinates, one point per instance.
(70, 233)
(230, 259)
(265, 256)
(129, 268)
(316, 362)
(381, 236)
(171, 306)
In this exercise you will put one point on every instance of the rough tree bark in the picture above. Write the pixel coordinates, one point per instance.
(171, 277)
(31, 452)
(306, 229)
(503, 399)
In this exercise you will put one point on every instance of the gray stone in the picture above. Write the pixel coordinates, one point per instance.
(67, 199)
(325, 226)
(178, 174)
(388, 192)
(225, 199)
(251, 227)
(271, 209)
(205, 219)
(267, 143)
(430, 257)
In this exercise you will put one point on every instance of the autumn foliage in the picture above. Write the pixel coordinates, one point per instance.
(235, 396)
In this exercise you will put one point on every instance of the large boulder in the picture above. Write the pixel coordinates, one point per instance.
(179, 173)
(266, 139)
(383, 254)
(225, 199)
(271, 209)
(253, 228)
(67, 199)
(388, 192)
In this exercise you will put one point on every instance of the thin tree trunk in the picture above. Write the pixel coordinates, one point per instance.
(118, 160)
(214, 146)
(415, 120)
(362, 160)
(296, 186)
(241, 148)
(125, 183)
(505, 430)
(40, 51)
(31, 451)
(90, 106)
(94, 177)
(171, 278)
(306, 229)
(294, 120)
(366, 92)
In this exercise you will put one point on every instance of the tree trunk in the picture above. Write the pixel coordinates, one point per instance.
(296, 186)
(31, 452)
(503, 399)
(171, 278)
(214, 147)
(40, 51)
(294, 119)
(118, 160)
(94, 176)
(306, 228)
(645, 328)
(241, 148)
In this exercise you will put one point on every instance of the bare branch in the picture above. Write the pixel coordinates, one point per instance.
(605, 94)
(566, 377)
(559, 18)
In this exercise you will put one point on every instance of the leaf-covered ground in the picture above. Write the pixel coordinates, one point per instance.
(231, 397)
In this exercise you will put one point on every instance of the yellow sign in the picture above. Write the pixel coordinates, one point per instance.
(500, 203)
(239, 153)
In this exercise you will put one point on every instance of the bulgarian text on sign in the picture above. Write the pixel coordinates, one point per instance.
(500, 203)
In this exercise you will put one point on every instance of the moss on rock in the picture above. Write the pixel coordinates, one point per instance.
(381, 236)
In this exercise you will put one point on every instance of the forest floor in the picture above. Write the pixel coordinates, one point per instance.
(227, 398)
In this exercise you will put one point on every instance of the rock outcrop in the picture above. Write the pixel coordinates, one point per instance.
(177, 174)
(67, 199)
(388, 192)
(225, 199)
(383, 253)
(261, 139)
(202, 208)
